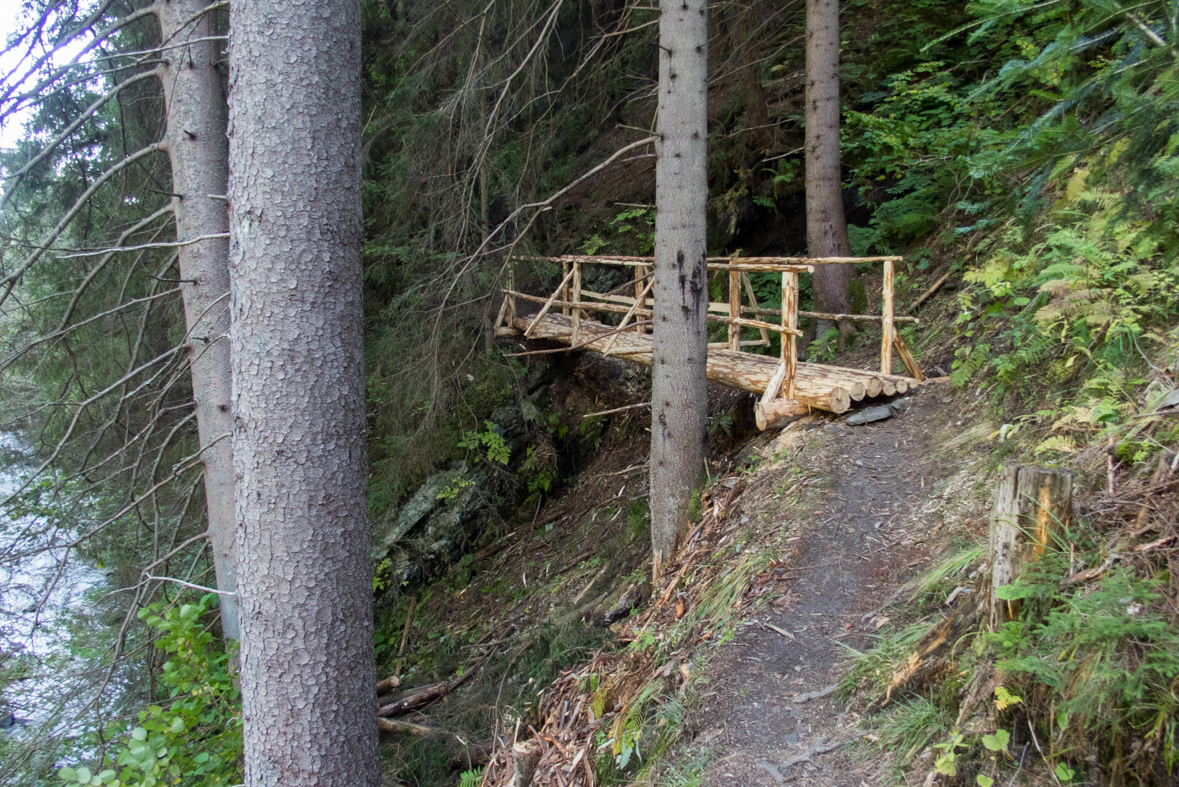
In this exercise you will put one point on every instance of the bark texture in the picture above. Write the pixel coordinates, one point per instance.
(197, 119)
(826, 227)
(304, 578)
(679, 395)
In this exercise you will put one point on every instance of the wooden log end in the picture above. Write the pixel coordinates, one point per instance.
(887, 387)
(872, 387)
(857, 391)
(839, 400)
(778, 413)
(388, 684)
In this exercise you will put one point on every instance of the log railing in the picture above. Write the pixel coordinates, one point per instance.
(576, 302)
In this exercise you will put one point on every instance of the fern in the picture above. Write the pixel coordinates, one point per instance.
(968, 362)
(1058, 443)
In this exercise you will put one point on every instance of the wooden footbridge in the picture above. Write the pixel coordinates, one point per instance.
(787, 388)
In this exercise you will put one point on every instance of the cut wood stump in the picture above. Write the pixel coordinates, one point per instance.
(474, 755)
(525, 756)
(1033, 506)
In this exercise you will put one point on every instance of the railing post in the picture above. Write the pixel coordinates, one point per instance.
(789, 340)
(512, 298)
(886, 322)
(765, 335)
(565, 287)
(577, 302)
(640, 273)
(734, 308)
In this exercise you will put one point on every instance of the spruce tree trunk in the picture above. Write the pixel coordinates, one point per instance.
(826, 227)
(757, 112)
(197, 118)
(679, 395)
(308, 676)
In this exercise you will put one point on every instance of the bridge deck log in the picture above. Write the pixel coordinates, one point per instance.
(818, 386)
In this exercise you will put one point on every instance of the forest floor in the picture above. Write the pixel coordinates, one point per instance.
(841, 521)
(889, 497)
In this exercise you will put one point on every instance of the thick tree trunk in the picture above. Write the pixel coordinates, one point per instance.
(197, 118)
(757, 113)
(679, 393)
(826, 227)
(304, 577)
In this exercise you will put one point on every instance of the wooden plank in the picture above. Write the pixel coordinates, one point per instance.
(623, 259)
(563, 289)
(790, 322)
(775, 385)
(734, 309)
(613, 309)
(765, 335)
(908, 359)
(576, 299)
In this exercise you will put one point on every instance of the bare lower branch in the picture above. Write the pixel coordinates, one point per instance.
(65, 319)
(165, 245)
(81, 408)
(190, 585)
(10, 358)
(18, 177)
(9, 281)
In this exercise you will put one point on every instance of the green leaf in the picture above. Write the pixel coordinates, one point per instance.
(107, 776)
(83, 775)
(984, 781)
(68, 774)
(945, 765)
(998, 741)
(1065, 773)
(177, 724)
(139, 734)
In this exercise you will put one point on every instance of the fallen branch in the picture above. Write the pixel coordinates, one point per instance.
(1091, 573)
(937, 285)
(395, 727)
(616, 409)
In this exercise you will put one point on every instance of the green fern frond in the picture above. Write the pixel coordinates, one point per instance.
(1058, 443)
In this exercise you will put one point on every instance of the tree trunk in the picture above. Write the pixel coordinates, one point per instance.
(197, 118)
(304, 576)
(757, 113)
(826, 227)
(679, 393)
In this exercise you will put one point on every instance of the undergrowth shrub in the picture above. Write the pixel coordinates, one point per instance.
(194, 738)
(1097, 664)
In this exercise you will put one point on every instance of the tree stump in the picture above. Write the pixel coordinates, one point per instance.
(525, 757)
(1033, 506)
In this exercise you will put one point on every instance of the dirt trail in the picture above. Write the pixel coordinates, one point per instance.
(876, 497)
